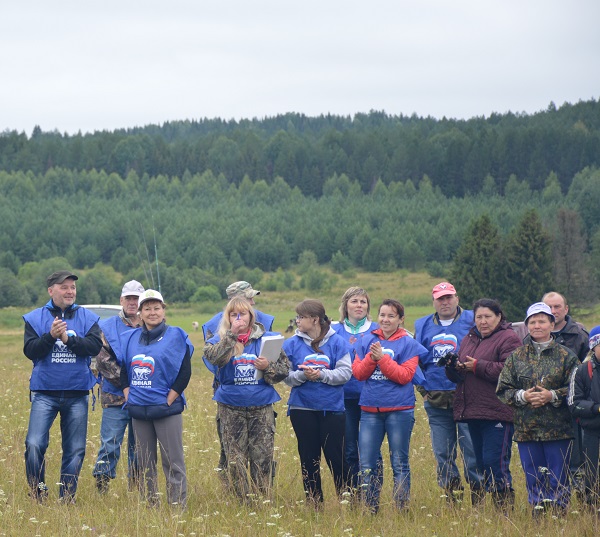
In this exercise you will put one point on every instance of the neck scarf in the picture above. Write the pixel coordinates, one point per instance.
(244, 338)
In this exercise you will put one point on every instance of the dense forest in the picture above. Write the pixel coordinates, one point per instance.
(218, 199)
(456, 155)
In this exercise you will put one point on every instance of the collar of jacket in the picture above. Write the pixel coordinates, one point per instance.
(502, 325)
(149, 336)
(436, 317)
(572, 327)
(56, 311)
(398, 334)
(257, 331)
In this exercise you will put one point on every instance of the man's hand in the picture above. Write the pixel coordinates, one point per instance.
(58, 330)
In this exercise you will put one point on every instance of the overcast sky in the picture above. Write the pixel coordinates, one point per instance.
(91, 65)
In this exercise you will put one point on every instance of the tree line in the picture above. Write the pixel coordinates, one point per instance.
(208, 230)
(456, 155)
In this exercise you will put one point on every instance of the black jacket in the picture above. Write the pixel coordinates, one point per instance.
(584, 395)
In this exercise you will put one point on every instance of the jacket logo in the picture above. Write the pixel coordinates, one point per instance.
(442, 344)
(60, 352)
(245, 371)
(142, 367)
(317, 361)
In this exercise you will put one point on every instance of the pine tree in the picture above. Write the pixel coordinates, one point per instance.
(527, 266)
(572, 272)
(476, 267)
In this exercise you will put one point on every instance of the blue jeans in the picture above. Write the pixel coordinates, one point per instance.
(492, 442)
(374, 426)
(351, 450)
(445, 433)
(112, 430)
(73, 427)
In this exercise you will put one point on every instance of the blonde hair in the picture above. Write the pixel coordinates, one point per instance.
(237, 303)
(352, 292)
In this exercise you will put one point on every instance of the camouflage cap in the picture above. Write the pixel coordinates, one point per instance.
(241, 289)
(60, 276)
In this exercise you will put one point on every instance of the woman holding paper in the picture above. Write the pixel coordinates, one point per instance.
(245, 396)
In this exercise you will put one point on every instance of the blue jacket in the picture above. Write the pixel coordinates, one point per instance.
(380, 391)
(56, 366)
(238, 382)
(353, 388)
(152, 370)
(334, 363)
(440, 340)
(113, 328)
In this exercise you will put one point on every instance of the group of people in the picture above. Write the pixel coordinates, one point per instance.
(502, 382)
(352, 382)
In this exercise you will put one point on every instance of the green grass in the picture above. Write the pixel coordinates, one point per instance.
(211, 510)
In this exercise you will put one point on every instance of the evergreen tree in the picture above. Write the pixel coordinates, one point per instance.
(527, 266)
(571, 261)
(476, 266)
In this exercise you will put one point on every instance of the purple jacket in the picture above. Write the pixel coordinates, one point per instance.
(475, 397)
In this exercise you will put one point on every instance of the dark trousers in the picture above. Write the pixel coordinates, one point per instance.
(317, 430)
(591, 448)
(492, 443)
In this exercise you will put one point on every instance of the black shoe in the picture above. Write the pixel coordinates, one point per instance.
(454, 492)
(102, 482)
(504, 500)
(477, 497)
(39, 494)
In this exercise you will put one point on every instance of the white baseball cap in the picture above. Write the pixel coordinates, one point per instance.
(149, 294)
(132, 288)
(539, 307)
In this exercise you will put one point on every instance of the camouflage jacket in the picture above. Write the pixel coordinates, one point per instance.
(221, 352)
(109, 370)
(522, 370)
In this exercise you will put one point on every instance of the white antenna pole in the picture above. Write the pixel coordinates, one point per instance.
(156, 256)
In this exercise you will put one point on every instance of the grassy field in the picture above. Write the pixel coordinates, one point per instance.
(211, 511)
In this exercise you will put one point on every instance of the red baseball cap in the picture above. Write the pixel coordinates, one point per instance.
(443, 289)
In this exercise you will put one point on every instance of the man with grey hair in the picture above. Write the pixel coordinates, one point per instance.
(115, 418)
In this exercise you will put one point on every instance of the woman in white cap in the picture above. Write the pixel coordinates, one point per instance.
(584, 402)
(535, 382)
(157, 369)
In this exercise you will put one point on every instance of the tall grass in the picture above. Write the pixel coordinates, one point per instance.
(211, 510)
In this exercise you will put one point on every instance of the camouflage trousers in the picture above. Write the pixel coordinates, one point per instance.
(248, 435)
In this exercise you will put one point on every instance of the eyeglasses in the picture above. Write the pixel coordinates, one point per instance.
(300, 317)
